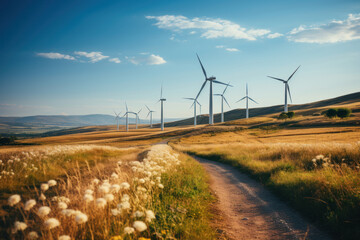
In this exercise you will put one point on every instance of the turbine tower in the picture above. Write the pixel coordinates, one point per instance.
(117, 119)
(162, 109)
(287, 88)
(194, 104)
(212, 80)
(247, 101)
(222, 102)
(127, 117)
(137, 118)
(150, 113)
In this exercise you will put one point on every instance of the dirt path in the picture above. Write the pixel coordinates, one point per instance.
(248, 211)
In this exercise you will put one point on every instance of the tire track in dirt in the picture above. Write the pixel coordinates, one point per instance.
(249, 211)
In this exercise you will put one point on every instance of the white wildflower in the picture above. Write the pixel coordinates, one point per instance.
(62, 205)
(95, 181)
(149, 215)
(81, 218)
(125, 185)
(44, 187)
(115, 212)
(114, 176)
(103, 189)
(124, 205)
(125, 198)
(115, 188)
(64, 237)
(109, 197)
(100, 202)
(129, 230)
(140, 226)
(141, 180)
(68, 212)
(88, 198)
(43, 211)
(29, 204)
(138, 214)
(42, 197)
(52, 183)
(89, 191)
(19, 226)
(51, 223)
(160, 186)
(14, 199)
(33, 235)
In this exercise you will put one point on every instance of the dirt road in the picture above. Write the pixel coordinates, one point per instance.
(248, 211)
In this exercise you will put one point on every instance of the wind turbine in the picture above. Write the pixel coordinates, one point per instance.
(194, 104)
(150, 113)
(287, 88)
(222, 102)
(211, 80)
(247, 101)
(127, 117)
(162, 109)
(137, 117)
(117, 119)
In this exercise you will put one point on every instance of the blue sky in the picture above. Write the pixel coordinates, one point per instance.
(85, 57)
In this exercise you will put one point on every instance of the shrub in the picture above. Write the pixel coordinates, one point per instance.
(290, 114)
(343, 112)
(330, 113)
(283, 116)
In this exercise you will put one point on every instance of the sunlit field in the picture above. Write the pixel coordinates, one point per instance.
(316, 170)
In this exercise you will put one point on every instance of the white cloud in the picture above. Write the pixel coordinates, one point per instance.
(232, 49)
(53, 55)
(155, 60)
(335, 31)
(192, 32)
(151, 59)
(274, 35)
(115, 60)
(93, 56)
(220, 46)
(211, 28)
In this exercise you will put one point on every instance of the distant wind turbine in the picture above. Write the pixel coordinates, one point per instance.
(117, 119)
(162, 109)
(195, 101)
(150, 113)
(211, 80)
(137, 118)
(127, 117)
(222, 102)
(287, 88)
(247, 101)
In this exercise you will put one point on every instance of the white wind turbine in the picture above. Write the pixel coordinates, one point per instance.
(117, 119)
(195, 101)
(211, 80)
(150, 113)
(127, 117)
(287, 88)
(137, 118)
(222, 102)
(162, 109)
(247, 101)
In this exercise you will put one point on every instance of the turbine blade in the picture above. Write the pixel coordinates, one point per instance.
(147, 108)
(293, 74)
(202, 87)
(253, 100)
(217, 94)
(247, 92)
(148, 114)
(288, 88)
(161, 91)
(139, 111)
(227, 102)
(198, 103)
(202, 66)
(189, 98)
(277, 79)
(191, 105)
(241, 99)
(215, 81)
(126, 107)
(226, 88)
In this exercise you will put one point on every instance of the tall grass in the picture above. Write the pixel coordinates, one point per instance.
(322, 181)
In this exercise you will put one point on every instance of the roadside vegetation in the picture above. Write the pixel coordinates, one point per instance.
(337, 112)
(99, 192)
(322, 181)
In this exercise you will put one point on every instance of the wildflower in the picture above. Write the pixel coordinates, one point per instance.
(19, 226)
(119, 163)
(109, 197)
(42, 197)
(114, 176)
(14, 199)
(125, 185)
(115, 188)
(160, 186)
(81, 218)
(100, 202)
(149, 215)
(52, 183)
(88, 198)
(95, 181)
(62, 205)
(51, 223)
(67, 212)
(89, 191)
(318, 157)
(43, 211)
(140, 226)
(129, 230)
(141, 180)
(64, 237)
(29, 204)
(33, 235)
(138, 214)
(125, 198)
(103, 189)
(124, 205)
(44, 187)
(314, 160)
(115, 212)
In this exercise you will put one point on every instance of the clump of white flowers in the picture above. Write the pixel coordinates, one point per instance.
(19, 226)
(29, 204)
(43, 211)
(14, 199)
(140, 226)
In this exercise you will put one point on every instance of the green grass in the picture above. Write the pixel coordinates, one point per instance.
(329, 197)
(182, 208)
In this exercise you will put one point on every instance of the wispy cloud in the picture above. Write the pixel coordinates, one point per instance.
(115, 60)
(92, 56)
(332, 32)
(54, 55)
(210, 28)
(220, 46)
(232, 49)
(274, 35)
(148, 59)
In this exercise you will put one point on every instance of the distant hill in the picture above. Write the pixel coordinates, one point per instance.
(45, 123)
(304, 109)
